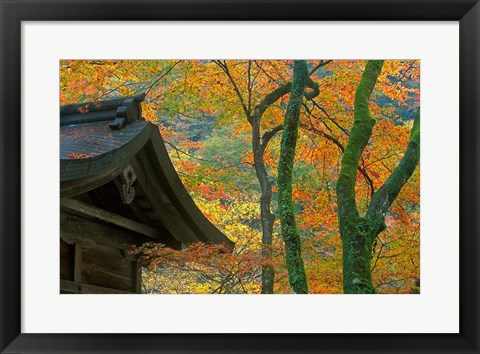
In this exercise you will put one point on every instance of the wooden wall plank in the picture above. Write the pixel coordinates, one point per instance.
(109, 260)
(105, 279)
(67, 286)
(75, 229)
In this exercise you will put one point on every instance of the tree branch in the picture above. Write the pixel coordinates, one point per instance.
(221, 166)
(405, 73)
(329, 117)
(321, 64)
(266, 74)
(342, 149)
(315, 89)
(271, 98)
(384, 197)
(249, 85)
(164, 73)
(225, 69)
(361, 131)
(268, 135)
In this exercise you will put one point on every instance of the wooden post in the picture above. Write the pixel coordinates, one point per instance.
(136, 277)
(77, 273)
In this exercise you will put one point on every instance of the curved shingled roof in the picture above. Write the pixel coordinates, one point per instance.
(99, 141)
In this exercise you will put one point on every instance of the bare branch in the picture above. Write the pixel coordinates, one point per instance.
(329, 117)
(164, 73)
(249, 85)
(342, 149)
(223, 65)
(405, 73)
(266, 74)
(321, 64)
(178, 150)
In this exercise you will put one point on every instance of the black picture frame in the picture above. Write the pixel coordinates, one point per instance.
(467, 12)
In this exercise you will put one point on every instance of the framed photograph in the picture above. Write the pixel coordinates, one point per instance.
(242, 176)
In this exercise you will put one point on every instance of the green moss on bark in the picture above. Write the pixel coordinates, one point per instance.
(357, 277)
(361, 131)
(355, 231)
(291, 238)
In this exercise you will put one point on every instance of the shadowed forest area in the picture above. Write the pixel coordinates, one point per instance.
(311, 167)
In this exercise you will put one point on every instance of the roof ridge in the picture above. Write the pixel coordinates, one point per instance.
(119, 111)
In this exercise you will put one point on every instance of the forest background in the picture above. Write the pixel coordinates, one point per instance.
(222, 123)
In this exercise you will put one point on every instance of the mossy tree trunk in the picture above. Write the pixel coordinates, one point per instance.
(291, 238)
(259, 144)
(359, 233)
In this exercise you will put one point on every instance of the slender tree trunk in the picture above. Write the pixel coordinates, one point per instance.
(291, 238)
(359, 233)
(266, 216)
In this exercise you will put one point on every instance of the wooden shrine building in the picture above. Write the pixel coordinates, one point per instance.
(118, 187)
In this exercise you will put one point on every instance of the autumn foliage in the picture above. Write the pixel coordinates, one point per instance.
(202, 112)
